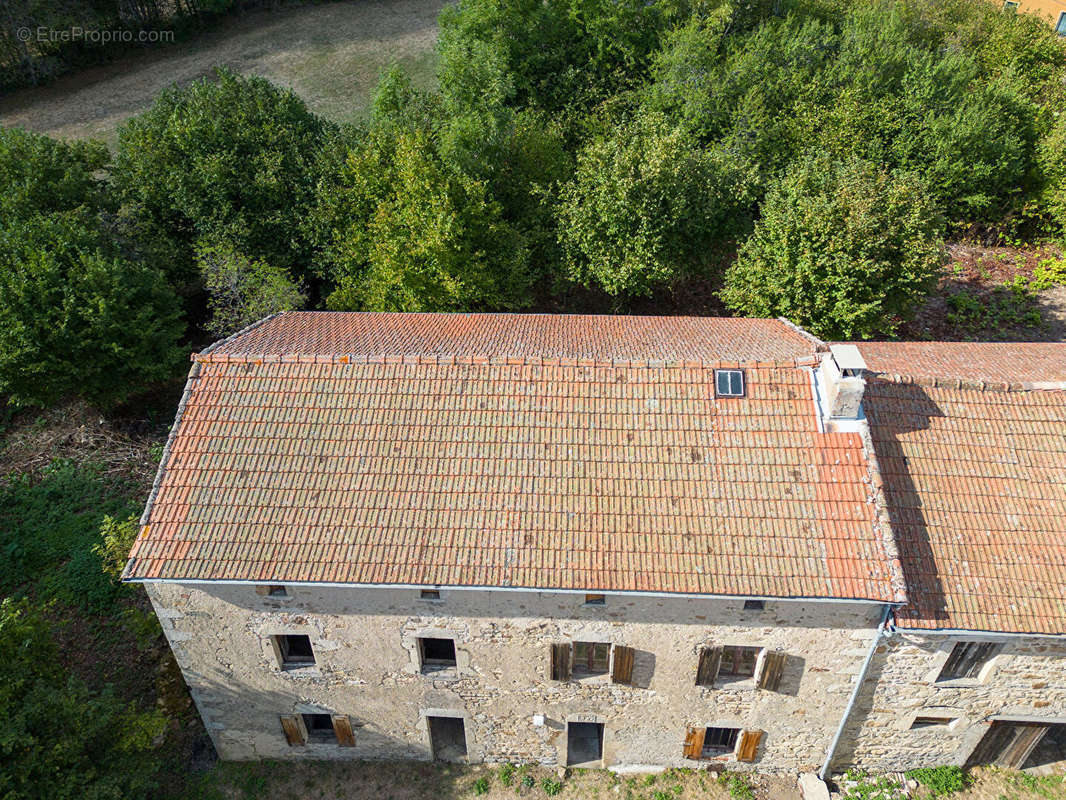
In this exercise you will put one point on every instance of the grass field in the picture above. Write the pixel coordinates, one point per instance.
(330, 54)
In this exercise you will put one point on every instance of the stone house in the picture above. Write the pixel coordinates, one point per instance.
(618, 541)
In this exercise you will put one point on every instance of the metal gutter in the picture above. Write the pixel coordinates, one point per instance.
(824, 772)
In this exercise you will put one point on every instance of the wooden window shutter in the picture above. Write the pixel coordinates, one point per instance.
(748, 745)
(694, 743)
(710, 661)
(294, 730)
(622, 670)
(560, 662)
(342, 726)
(773, 665)
(262, 589)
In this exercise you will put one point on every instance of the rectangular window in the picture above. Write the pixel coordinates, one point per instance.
(930, 722)
(437, 654)
(595, 600)
(591, 658)
(729, 383)
(738, 662)
(276, 591)
(430, 594)
(294, 651)
(1060, 27)
(1010, 5)
(718, 741)
(320, 728)
(754, 605)
(966, 660)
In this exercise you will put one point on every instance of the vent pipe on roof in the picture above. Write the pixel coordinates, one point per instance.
(842, 370)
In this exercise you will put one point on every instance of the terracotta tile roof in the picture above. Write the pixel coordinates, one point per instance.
(1014, 363)
(533, 474)
(975, 485)
(523, 336)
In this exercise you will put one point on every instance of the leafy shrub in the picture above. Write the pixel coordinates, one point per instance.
(77, 319)
(940, 781)
(738, 785)
(116, 541)
(40, 175)
(858, 785)
(481, 786)
(644, 207)
(60, 739)
(844, 250)
(506, 773)
(551, 787)
(229, 159)
(242, 290)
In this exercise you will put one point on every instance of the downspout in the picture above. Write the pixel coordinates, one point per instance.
(824, 772)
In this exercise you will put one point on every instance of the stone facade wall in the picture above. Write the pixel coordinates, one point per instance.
(1025, 681)
(365, 642)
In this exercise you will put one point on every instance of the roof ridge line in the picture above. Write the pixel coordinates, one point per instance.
(207, 356)
(973, 385)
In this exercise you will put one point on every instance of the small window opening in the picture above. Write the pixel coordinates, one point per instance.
(930, 722)
(447, 738)
(437, 654)
(295, 650)
(430, 594)
(754, 605)
(967, 659)
(319, 728)
(1010, 5)
(1060, 27)
(591, 658)
(738, 662)
(717, 741)
(595, 600)
(729, 383)
(584, 743)
(276, 591)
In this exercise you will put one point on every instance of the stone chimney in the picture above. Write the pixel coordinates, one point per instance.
(842, 370)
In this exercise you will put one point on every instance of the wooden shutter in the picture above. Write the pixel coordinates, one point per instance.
(694, 743)
(710, 661)
(748, 745)
(622, 671)
(342, 726)
(773, 665)
(294, 730)
(560, 662)
(262, 589)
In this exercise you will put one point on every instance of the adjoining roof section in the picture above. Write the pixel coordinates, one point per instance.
(301, 335)
(528, 475)
(1022, 365)
(975, 482)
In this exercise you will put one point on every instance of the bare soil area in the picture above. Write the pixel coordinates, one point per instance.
(331, 55)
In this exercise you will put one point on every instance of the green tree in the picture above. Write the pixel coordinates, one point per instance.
(60, 740)
(843, 249)
(77, 319)
(228, 159)
(241, 290)
(40, 175)
(647, 206)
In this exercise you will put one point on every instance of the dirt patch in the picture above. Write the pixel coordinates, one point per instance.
(984, 295)
(331, 55)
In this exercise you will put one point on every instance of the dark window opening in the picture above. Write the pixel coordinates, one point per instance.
(437, 654)
(754, 605)
(447, 737)
(430, 594)
(591, 658)
(717, 741)
(595, 600)
(967, 659)
(728, 383)
(319, 728)
(584, 742)
(738, 662)
(930, 722)
(295, 650)
(276, 591)
(1060, 28)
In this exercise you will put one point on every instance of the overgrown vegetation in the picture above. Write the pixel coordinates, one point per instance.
(804, 158)
(940, 781)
